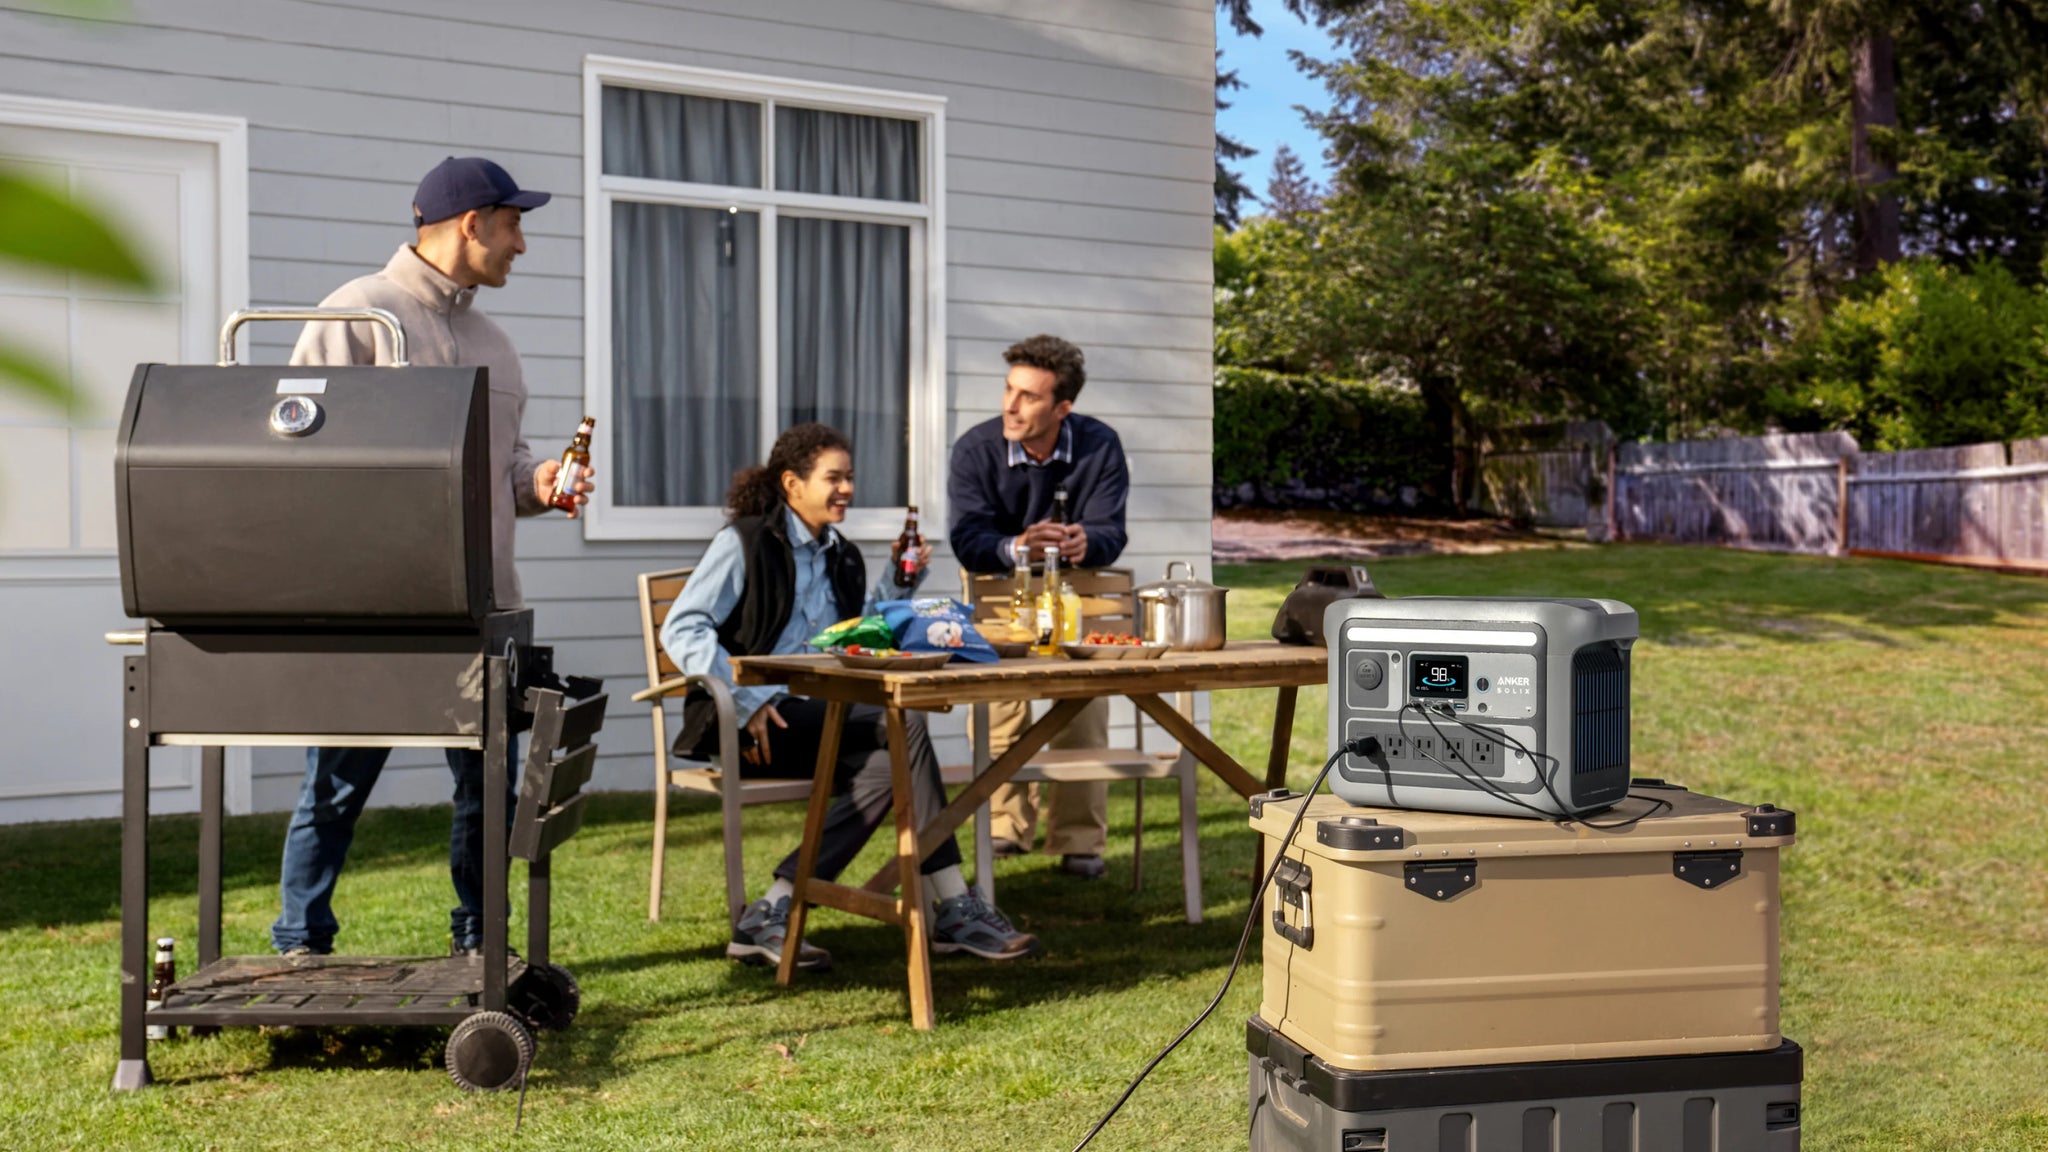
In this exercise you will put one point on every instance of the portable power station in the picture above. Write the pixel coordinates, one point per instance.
(1492, 706)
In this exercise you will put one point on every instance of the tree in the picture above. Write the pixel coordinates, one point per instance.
(1290, 194)
(1231, 191)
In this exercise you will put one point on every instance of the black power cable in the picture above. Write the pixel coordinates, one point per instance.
(1472, 776)
(1363, 746)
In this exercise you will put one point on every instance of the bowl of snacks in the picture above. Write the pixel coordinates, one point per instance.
(1113, 646)
(1009, 639)
(889, 659)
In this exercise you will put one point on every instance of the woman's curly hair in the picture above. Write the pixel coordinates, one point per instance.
(757, 491)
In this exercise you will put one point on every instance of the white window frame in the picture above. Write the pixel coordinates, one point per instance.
(604, 520)
(229, 136)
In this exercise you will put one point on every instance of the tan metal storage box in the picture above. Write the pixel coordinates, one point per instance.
(1405, 939)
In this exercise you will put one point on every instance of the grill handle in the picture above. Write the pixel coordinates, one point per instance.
(374, 315)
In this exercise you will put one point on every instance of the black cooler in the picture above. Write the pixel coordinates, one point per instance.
(311, 548)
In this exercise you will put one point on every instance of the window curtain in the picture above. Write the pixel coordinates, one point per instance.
(845, 154)
(843, 290)
(686, 364)
(686, 351)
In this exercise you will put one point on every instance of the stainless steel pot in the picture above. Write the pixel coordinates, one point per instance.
(1185, 614)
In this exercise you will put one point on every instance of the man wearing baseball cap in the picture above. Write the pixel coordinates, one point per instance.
(466, 214)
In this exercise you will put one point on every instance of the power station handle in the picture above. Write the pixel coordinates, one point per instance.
(373, 315)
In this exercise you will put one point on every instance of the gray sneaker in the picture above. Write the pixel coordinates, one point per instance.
(967, 923)
(758, 937)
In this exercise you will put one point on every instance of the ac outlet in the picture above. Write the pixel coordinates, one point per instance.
(1454, 749)
(1485, 753)
(1424, 746)
(1396, 747)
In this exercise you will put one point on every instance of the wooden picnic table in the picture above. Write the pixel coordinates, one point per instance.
(1069, 685)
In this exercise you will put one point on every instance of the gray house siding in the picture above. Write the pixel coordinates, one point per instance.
(1077, 169)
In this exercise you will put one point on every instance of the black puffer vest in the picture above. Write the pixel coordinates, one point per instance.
(766, 600)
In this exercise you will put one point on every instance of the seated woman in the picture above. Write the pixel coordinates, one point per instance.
(776, 575)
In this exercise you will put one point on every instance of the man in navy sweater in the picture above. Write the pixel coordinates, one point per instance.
(1000, 487)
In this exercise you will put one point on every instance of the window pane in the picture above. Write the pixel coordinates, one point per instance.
(843, 154)
(844, 294)
(686, 362)
(670, 136)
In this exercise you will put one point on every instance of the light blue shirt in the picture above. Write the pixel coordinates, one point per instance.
(690, 633)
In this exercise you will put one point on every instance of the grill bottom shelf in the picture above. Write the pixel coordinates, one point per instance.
(252, 991)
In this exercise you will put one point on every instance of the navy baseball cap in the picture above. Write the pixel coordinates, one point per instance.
(459, 184)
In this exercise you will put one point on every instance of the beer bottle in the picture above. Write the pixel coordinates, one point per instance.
(905, 575)
(575, 462)
(162, 976)
(1060, 515)
(1020, 595)
(1050, 628)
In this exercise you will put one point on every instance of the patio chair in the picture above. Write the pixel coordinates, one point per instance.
(1106, 606)
(721, 777)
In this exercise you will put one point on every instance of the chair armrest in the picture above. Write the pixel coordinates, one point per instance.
(721, 705)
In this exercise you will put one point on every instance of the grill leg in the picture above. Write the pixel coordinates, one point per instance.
(212, 763)
(537, 878)
(133, 1070)
(497, 737)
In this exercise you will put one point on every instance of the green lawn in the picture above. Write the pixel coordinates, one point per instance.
(1896, 708)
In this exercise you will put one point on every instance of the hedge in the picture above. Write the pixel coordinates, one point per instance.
(1292, 441)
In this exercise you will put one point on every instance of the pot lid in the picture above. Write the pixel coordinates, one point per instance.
(1174, 587)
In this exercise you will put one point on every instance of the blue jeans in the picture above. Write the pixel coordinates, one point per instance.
(338, 783)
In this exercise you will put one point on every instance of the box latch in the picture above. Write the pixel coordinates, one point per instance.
(1440, 881)
(1292, 878)
(1707, 869)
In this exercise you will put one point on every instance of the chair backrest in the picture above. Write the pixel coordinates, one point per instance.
(1106, 602)
(658, 590)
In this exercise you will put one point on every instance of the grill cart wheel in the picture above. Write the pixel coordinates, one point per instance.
(489, 1052)
(546, 997)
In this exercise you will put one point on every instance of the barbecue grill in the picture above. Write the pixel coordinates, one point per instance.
(310, 548)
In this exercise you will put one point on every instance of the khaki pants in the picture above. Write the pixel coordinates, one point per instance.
(1077, 820)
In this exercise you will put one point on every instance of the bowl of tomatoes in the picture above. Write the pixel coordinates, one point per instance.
(1113, 646)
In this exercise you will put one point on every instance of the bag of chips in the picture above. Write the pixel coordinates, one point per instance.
(937, 624)
(866, 631)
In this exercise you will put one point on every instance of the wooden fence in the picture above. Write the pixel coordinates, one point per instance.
(1980, 504)
(1553, 474)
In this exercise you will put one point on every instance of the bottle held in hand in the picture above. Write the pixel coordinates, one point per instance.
(1060, 512)
(161, 977)
(907, 545)
(575, 462)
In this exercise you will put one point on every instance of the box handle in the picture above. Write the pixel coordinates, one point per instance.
(373, 315)
(1293, 879)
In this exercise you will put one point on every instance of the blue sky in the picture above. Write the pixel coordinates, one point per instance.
(1262, 113)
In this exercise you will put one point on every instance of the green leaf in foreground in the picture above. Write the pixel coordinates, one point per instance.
(39, 225)
(38, 378)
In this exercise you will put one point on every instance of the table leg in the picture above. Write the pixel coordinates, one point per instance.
(497, 861)
(972, 797)
(916, 916)
(1276, 773)
(1194, 740)
(1283, 735)
(814, 827)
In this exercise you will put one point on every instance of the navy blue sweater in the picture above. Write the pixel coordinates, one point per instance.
(991, 501)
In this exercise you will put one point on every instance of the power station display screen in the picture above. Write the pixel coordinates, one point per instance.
(1438, 677)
